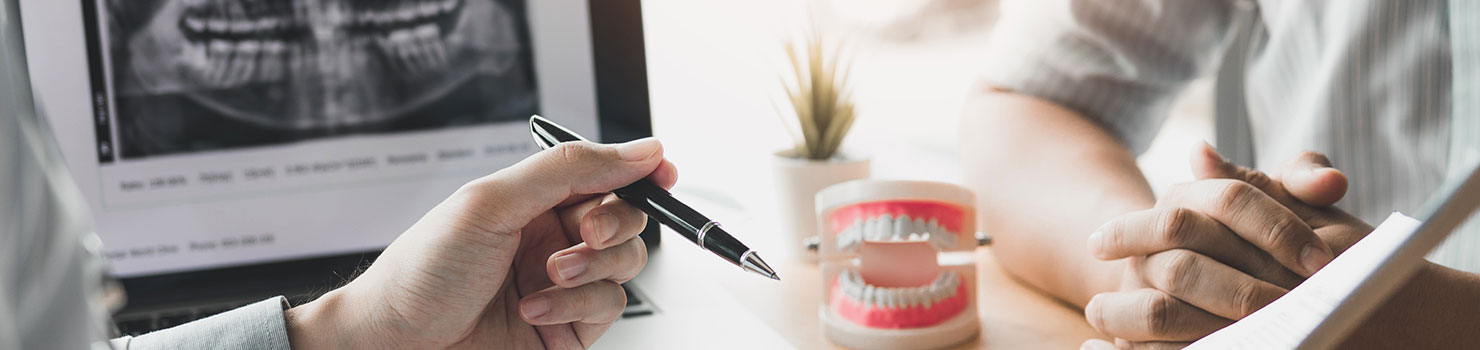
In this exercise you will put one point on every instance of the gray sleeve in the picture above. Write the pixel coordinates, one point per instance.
(1119, 62)
(256, 326)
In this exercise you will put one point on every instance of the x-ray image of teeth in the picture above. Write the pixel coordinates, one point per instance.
(203, 75)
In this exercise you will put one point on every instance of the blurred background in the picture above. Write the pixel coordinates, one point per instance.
(715, 66)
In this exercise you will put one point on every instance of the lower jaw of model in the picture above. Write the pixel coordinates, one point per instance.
(321, 64)
(898, 283)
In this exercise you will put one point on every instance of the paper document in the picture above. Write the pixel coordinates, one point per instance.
(1287, 322)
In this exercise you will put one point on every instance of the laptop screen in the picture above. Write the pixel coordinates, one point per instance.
(214, 133)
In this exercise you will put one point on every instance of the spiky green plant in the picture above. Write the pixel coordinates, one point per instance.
(819, 98)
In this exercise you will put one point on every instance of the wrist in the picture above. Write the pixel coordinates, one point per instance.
(318, 325)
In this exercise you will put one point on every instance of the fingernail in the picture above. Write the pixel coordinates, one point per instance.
(638, 149)
(534, 307)
(570, 266)
(1313, 258)
(1095, 247)
(606, 228)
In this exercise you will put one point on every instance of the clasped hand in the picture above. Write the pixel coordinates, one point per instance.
(1215, 250)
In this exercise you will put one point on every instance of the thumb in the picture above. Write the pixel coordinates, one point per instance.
(1208, 164)
(510, 198)
(1311, 179)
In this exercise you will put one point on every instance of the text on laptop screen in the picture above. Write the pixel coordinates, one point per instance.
(211, 133)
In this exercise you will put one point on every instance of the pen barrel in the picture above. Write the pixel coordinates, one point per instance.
(660, 205)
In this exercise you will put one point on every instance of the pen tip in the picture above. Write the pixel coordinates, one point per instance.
(754, 263)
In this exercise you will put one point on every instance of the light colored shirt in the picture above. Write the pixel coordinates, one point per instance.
(1367, 82)
(256, 326)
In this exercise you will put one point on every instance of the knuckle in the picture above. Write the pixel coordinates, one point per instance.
(574, 152)
(1229, 196)
(1161, 312)
(1173, 226)
(1257, 179)
(1114, 236)
(1177, 268)
(1279, 234)
(1246, 298)
(1277, 274)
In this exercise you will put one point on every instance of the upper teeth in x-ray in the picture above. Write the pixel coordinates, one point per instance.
(321, 63)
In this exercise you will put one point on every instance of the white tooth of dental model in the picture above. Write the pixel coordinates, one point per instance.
(902, 226)
(900, 234)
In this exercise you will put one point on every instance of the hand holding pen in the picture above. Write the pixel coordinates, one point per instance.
(660, 205)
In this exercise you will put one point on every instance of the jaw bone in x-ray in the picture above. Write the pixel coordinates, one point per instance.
(317, 64)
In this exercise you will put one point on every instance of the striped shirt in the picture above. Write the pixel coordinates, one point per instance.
(1386, 88)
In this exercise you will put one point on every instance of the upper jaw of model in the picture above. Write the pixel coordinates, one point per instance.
(902, 228)
(897, 221)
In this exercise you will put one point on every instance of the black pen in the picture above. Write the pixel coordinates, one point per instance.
(660, 205)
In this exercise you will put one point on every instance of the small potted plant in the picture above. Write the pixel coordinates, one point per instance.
(818, 111)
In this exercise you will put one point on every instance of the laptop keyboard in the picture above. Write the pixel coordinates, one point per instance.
(636, 305)
(137, 324)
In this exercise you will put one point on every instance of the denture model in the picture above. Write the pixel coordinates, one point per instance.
(897, 264)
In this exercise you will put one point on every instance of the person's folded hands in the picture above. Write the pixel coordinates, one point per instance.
(1217, 249)
(530, 256)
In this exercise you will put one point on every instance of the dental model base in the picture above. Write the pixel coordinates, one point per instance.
(898, 264)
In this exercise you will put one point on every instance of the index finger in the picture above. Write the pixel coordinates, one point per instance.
(1256, 217)
(513, 196)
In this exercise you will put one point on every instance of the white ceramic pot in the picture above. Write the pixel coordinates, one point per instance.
(797, 182)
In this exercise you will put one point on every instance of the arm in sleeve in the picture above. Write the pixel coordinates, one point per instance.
(1118, 62)
(257, 326)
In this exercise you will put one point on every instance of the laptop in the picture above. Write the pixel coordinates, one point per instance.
(236, 150)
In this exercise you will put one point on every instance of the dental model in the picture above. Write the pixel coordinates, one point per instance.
(897, 264)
